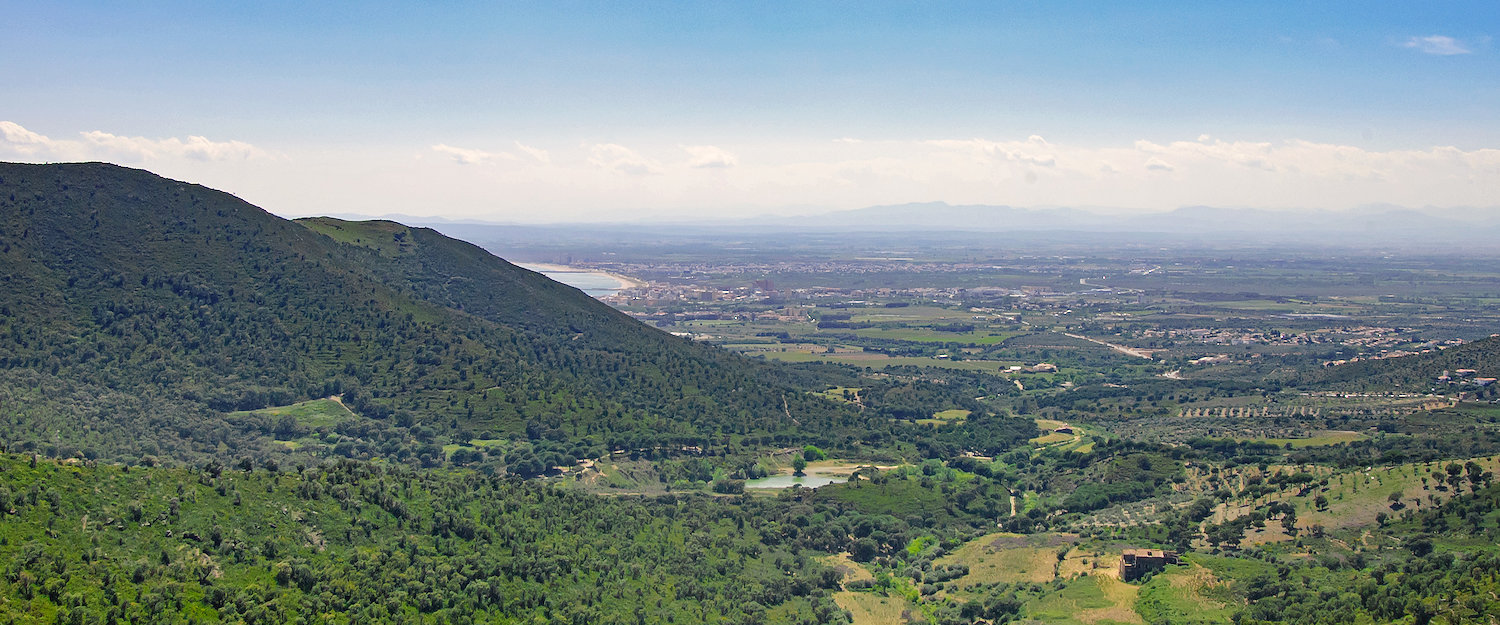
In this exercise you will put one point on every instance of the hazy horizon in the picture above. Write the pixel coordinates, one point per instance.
(595, 112)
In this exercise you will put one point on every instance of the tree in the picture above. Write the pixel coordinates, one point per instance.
(798, 464)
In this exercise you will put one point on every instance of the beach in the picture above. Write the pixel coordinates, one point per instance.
(561, 273)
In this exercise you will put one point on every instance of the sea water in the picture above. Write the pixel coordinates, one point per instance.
(592, 283)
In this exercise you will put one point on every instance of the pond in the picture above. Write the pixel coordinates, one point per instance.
(787, 481)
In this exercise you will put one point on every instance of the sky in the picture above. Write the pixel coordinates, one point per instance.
(536, 112)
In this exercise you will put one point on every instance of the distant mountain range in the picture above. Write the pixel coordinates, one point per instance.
(1375, 222)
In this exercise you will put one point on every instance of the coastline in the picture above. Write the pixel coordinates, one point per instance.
(625, 282)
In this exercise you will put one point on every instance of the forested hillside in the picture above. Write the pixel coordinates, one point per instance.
(355, 543)
(142, 316)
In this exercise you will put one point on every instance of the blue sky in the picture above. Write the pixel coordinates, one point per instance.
(587, 111)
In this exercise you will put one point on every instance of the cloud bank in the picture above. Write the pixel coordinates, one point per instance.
(16, 140)
(464, 156)
(616, 180)
(625, 180)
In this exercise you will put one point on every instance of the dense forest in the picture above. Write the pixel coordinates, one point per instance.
(150, 311)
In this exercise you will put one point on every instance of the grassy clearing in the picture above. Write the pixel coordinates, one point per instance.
(923, 335)
(1479, 410)
(760, 348)
(313, 413)
(1091, 593)
(945, 417)
(910, 313)
(472, 444)
(1190, 594)
(387, 237)
(881, 361)
(1006, 557)
(1093, 559)
(872, 609)
(1092, 600)
(848, 395)
(1357, 497)
(850, 570)
(1321, 439)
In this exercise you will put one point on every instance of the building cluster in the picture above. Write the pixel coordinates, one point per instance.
(1464, 377)
(1425, 348)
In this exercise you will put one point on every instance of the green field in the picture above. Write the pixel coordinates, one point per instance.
(1090, 600)
(314, 413)
(881, 361)
(924, 335)
(945, 417)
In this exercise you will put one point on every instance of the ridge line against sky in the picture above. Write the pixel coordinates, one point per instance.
(603, 111)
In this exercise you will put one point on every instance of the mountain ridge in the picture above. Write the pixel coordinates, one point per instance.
(132, 286)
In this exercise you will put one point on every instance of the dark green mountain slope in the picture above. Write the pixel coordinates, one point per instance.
(142, 316)
(142, 305)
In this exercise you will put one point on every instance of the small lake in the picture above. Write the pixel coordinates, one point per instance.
(591, 283)
(787, 481)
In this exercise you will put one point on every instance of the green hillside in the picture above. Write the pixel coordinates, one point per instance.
(149, 317)
(353, 543)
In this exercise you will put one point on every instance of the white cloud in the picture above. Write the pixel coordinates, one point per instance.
(1437, 44)
(618, 158)
(537, 153)
(1033, 151)
(195, 147)
(709, 156)
(97, 144)
(21, 139)
(465, 156)
(1156, 164)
